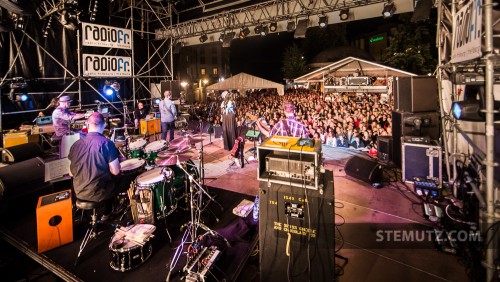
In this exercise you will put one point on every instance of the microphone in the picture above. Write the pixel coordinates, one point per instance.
(34, 120)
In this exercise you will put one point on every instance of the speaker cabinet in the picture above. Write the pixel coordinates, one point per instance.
(415, 94)
(22, 152)
(54, 221)
(299, 222)
(403, 125)
(22, 178)
(174, 86)
(217, 131)
(364, 169)
(384, 148)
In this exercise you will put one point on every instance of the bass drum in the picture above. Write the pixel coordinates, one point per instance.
(180, 183)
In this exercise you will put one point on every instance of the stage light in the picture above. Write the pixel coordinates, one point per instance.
(221, 37)
(290, 25)
(273, 27)
(244, 32)
(389, 9)
(344, 14)
(203, 38)
(111, 88)
(184, 84)
(323, 21)
(18, 21)
(257, 29)
(467, 111)
(264, 30)
(69, 19)
(47, 26)
(93, 10)
(24, 97)
(157, 101)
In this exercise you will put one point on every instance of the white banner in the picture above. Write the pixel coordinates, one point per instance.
(467, 33)
(106, 36)
(106, 66)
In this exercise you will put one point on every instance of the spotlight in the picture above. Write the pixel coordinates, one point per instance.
(203, 38)
(93, 10)
(344, 14)
(69, 19)
(46, 28)
(18, 21)
(264, 30)
(244, 32)
(273, 27)
(257, 29)
(467, 110)
(111, 88)
(389, 9)
(323, 21)
(24, 97)
(290, 26)
(157, 101)
(221, 37)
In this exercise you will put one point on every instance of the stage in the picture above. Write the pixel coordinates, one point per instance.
(355, 202)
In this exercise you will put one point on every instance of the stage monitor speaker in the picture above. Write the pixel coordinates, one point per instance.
(174, 86)
(299, 222)
(364, 169)
(400, 128)
(21, 178)
(217, 131)
(22, 152)
(54, 221)
(415, 94)
(384, 148)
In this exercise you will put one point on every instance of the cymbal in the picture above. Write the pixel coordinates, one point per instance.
(171, 160)
(175, 150)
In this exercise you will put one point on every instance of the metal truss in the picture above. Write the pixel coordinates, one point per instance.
(262, 13)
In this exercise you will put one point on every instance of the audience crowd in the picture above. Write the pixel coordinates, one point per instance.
(338, 120)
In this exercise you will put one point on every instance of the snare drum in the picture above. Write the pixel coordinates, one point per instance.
(137, 148)
(132, 166)
(155, 194)
(126, 254)
(153, 148)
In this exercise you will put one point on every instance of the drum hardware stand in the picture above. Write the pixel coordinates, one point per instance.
(193, 225)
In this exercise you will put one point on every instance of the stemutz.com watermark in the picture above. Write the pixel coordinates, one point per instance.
(405, 236)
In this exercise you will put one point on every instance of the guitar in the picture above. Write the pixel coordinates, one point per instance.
(239, 143)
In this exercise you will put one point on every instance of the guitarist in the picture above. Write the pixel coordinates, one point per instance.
(289, 126)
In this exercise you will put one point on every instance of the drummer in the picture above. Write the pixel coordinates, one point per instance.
(139, 113)
(95, 167)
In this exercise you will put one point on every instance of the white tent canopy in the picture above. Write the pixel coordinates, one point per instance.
(348, 66)
(246, 81)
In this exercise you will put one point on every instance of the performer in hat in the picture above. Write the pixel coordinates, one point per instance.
(62, 116)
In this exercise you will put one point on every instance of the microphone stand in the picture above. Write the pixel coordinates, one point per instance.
(126, 118)
(193, 225)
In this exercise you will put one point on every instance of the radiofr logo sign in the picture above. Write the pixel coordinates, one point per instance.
(106, 36)
(106, 66)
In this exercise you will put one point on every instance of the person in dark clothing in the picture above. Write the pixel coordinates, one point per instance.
(95, 167)
(341, 141)
(139, 113)
(229, 126)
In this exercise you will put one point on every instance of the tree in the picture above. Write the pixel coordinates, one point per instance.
(294, 64)
(412, 46)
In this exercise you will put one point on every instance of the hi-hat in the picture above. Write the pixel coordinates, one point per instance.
(171, 160)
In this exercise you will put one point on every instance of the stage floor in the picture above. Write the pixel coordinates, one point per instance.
(355, 202)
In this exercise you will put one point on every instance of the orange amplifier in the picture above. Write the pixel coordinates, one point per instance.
(150, 126)
(54, 220)
(15, 138)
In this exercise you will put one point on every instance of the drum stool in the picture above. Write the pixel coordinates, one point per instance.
(92, 230)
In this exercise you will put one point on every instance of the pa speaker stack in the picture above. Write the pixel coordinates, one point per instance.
(415, 118)
(297, 231)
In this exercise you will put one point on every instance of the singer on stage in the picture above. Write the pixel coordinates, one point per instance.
(228, 110)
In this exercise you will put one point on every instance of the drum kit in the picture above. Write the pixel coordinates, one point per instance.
(166, 173)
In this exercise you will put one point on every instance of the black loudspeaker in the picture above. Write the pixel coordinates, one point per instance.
(384, 148)
(415, 94)
(22, 152)
(21, 178)
(422, 10)
(289, 216)
(364, 169)
(217, 131)
(403, 124)
(174, 86)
